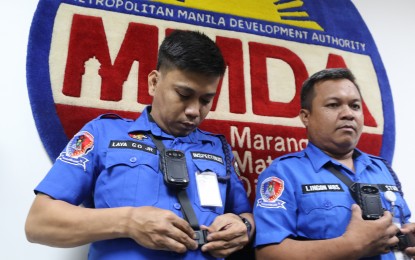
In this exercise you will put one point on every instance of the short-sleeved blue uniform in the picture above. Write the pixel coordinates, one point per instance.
(298, 198)
(113, 162)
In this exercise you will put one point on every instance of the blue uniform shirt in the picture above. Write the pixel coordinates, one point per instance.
(297, 197)
(113, 162)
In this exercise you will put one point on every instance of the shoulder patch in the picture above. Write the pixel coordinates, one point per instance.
(79, 146)
(271, 189)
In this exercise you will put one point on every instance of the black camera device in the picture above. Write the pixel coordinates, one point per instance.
(201, 237)
(368, 198)
(173, 166)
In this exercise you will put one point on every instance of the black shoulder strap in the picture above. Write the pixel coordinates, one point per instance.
(338, 174)
(159, 144)
(187, 209)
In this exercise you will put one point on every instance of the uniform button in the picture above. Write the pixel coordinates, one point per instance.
(133, 159)
(177, 206)
(327, 204)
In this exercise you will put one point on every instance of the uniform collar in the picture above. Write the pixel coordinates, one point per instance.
(145, 123)
(318, 158)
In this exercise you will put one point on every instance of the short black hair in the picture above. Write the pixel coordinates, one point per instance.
(191, 51)
(307, 90)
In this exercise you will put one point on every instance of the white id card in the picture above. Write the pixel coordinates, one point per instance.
(208, 189)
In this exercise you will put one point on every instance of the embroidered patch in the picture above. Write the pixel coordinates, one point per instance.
(207, 156)
(271, 189)
(386, 187)
(81, 144)
(137, 136)
(132, 145)
(311, 188)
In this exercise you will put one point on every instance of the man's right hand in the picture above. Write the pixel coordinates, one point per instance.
(160, 229)
(371, 237)
(60, 224)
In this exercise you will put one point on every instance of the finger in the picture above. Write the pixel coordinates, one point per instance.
(228, 234)
(387, 215)
(170, 244)
(392, 230)
(219, 223)
(183, 226)
(184, 234)
(408, 228)
(221, 248)
(410, 251)
(356, 212)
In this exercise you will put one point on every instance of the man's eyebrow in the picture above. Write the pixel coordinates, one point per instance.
(191, 90)
(183, 87)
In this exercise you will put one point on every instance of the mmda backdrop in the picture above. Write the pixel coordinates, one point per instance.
(89, 57)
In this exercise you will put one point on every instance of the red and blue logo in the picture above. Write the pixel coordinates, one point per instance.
(271, 189)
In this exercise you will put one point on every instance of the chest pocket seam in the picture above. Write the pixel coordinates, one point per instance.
(130, 158)
(324, 201)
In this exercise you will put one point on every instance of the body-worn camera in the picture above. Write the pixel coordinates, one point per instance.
(173, 166)
(368, 198)
(201, 237)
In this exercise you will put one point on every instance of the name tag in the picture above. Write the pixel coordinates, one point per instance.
(208, 189)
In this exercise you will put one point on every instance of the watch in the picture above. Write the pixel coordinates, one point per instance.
(247, 224)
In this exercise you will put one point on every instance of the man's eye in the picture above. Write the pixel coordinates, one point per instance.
(182, 95)
(356, 106)
(205, 101)
(332, 105)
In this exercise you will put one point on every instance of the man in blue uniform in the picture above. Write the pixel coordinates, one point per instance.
(131, 203)
(303, 210)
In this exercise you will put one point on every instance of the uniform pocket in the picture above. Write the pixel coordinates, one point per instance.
(220, 171)
(130, 178)
(324, 215)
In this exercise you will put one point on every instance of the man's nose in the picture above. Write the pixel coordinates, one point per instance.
(193, 109)
(347, 112)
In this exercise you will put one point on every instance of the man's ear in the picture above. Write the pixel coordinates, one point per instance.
(304, 116)
(153, 79)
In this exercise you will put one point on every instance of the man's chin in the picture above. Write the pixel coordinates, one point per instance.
(183, 132)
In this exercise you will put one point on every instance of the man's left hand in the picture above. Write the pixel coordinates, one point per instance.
(227, 234)
(409, 230)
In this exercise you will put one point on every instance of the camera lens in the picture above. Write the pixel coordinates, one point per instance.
(370, 189)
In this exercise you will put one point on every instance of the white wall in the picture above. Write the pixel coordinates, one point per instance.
(23, 161)
(391, 24)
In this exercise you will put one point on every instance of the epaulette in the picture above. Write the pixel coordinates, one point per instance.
(207, 132)
(227, 152)
(299, 154)
(376, 157)
(392, 172)
(112, 116)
